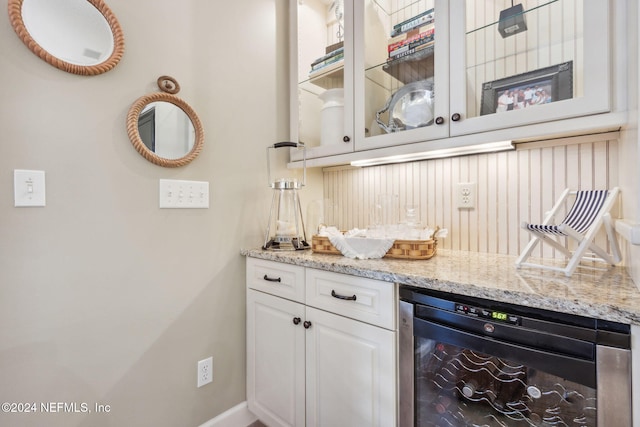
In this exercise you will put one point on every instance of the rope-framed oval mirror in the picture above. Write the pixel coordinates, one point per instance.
(163, 128)
(77, 36)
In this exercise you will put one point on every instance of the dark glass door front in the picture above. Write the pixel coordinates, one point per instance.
(459, 386)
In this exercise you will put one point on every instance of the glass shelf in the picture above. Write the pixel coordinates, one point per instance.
(329, 77)
(411, 68)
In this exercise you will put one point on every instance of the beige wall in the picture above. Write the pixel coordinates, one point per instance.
(104, 298)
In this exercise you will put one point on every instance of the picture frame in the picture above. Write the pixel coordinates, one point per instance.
(526, 90)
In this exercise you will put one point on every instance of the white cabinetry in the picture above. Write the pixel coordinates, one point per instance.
(468, 66)
(275, 360)
(326, 359)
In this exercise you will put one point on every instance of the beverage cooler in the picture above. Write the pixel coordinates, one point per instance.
(472, 362)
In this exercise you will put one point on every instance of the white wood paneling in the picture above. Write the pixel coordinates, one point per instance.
(512, 187)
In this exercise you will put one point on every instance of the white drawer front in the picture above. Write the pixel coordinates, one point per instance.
(275, 278)
(367, 300)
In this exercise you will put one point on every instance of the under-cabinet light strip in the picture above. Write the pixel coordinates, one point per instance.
(438, 154)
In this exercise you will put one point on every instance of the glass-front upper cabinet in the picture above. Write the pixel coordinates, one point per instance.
(402, 78)
(430, 69)
(322, 61)
(381, 73)
(528, 62)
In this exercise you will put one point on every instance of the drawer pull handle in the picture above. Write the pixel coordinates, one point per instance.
(351, 298)
(269, 279)
(306, 324)
(296, 320)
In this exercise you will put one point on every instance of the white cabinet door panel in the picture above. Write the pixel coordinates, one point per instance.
(275, 360)
(350, 373)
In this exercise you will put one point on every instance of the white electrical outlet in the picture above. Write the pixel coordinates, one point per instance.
(466, 192)
(205, 371)
(184, 194)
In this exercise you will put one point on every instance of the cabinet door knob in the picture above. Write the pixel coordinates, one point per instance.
(345, 297)
(270, 279)
(439, 120)
(306, 324)
(346, 138)
(296, 320)
(455, 117)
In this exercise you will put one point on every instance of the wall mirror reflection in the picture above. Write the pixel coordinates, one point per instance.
(163, 128)
(78, 36)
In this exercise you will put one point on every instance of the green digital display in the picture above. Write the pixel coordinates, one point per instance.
(498, 316)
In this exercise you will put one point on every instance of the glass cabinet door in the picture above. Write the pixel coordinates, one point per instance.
(322, 112)
(401, 79)
(529, 62)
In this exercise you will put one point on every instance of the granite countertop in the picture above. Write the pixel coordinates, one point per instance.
(604, 294)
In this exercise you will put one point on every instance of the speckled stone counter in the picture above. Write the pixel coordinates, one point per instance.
(604, 294)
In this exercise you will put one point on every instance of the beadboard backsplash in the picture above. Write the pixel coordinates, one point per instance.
(511, 187)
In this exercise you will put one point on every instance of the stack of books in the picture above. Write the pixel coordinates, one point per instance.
(412, 35)
(324, 61)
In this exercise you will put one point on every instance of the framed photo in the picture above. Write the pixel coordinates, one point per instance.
(542, 86)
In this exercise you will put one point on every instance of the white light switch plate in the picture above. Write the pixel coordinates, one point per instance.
(28, 188)
(181, 194)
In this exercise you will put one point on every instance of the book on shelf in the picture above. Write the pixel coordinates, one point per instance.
(326, 68)
(333, 47)
(394, 45)
(332, 54)
(411, 51)
(422, 42)
(413, 18)
(327, 61)
(417, 21)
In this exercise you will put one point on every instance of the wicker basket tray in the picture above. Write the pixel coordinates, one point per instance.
(402, 249)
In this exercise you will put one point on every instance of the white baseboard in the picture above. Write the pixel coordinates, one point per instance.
(238, 416)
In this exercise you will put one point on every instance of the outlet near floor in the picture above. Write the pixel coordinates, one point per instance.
(205, 371)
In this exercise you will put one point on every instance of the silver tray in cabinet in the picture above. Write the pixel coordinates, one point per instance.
(409, 107)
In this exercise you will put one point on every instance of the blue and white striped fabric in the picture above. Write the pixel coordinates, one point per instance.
(582, 214)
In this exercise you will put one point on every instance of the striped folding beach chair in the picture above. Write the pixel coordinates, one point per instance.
(590, 211)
